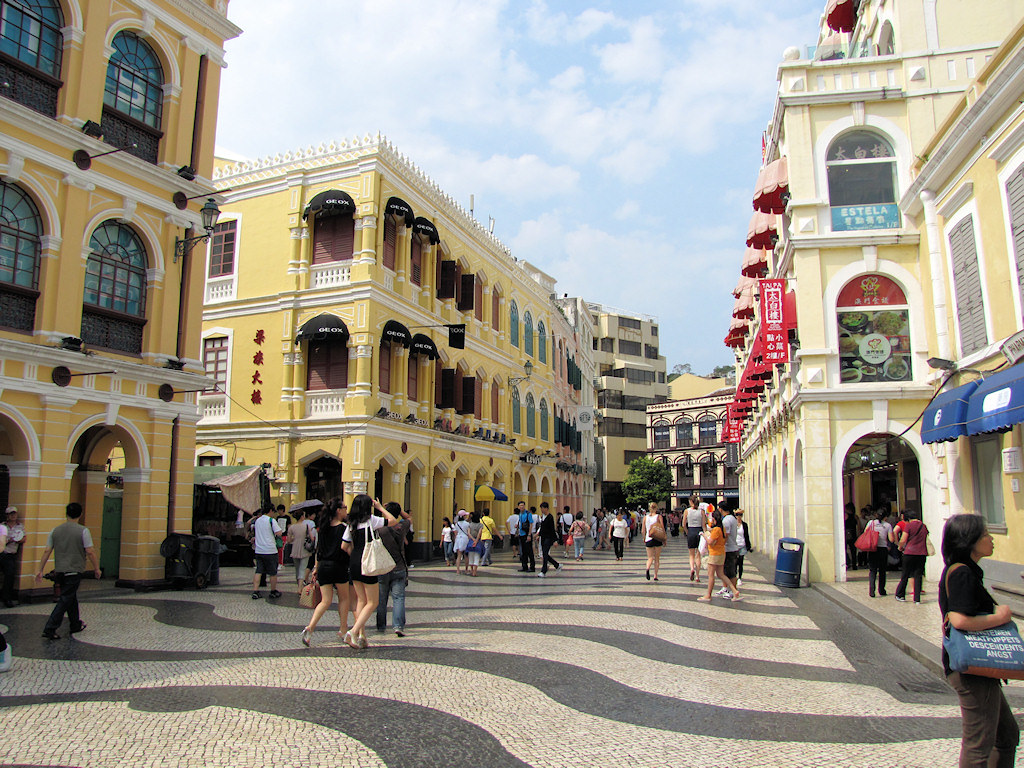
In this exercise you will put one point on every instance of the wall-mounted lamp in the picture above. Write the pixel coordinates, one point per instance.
(410, 418)
(382, 412)
(61, 375)
(187, 172)
(83, 159)
(92, 129)
(71, 343)
(166, 392)
(175, 365)
(528, 368)
(180, 199)
(210, 213)
(941, 364)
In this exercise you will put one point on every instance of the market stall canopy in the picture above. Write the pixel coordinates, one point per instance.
(841, 15)
(242, 489)
(946, 417)
(424, 345)
(772, 191)
(489, 493)
(395, 331)
(762, 232)
(398, 207)
(322, 327)
(998, 402)
(333, 202)
(755, 263)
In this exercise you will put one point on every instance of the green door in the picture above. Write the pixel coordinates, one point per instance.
(110, 538)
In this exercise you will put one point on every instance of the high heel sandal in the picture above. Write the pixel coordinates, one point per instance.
(350, 641)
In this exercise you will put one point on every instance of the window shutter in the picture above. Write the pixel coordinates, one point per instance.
(390, 241)
(416, 261)
(478, 300)
(495, 414)
(412, 382)
(468, 404)
(467, 293)
(446, 286)
(438, 376)
(1015, 198)
(970, 308)
(447, 388)
(478, 399)
(384, 383)
(333, 239)
(496, 311)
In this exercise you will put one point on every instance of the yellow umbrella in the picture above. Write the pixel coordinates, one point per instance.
(488, 493)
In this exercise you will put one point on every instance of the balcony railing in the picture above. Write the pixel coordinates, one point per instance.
(121, 334)
(121, 131)
(17, 308)
(325, 404)
(214, 408)
(220, 289)
(331, 275)
(28, 87)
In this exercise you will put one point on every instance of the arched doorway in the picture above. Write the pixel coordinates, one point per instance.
(323, 478)
(882, 470)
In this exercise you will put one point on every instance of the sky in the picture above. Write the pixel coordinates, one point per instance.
(615, 144)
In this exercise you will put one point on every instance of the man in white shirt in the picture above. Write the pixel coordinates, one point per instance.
(565, 523)
(264, 545)
(512, 526)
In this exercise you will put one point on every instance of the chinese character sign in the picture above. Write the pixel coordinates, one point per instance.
(774, 321)
(257, 359)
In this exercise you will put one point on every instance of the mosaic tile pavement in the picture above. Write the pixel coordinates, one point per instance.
(592, 666)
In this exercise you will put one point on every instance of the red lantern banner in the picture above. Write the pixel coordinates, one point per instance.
(774, 327)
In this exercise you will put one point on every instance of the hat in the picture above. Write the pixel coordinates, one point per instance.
(10, 509)
(463, 513)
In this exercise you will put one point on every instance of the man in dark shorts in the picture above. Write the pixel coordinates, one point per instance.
(264, 529)
(732, 547)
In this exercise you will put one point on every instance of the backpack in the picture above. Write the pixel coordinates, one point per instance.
(525, 521)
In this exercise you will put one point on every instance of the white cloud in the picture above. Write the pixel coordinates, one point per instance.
(641, 58)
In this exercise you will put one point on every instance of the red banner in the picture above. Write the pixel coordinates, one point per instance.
(733, 431)
(871, 291)
(774, 325)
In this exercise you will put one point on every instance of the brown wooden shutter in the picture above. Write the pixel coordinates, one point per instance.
(315, 373)
(390, 242)
(446, 284)
(416, 261)
(468, 404)
(412, 390)
(438, 377)
(333, 239)
(467, 293)
(496, 310)
(970, 307)
(478, 398)
(384, 384)
(447, 388)
(495, 412)
(478, 300)
(1015, 198)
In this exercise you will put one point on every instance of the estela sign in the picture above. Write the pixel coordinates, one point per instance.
(1013, 347)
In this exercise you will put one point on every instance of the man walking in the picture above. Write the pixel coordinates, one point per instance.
(487, 535)
(393, 584)
(265, 531)
(71, 545)
(512, 526)
(732, 548)
(526, 531)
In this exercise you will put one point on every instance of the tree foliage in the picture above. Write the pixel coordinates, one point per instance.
(647, 480)
(680, 368)
(723, 371)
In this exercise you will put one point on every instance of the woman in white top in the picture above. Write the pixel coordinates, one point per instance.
(693, 519)
(878, 561)
(361, 517)
(652, 518)
(462, 540)
(446, 542)
(619, 532)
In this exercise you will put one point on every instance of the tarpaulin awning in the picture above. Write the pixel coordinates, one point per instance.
(423, 345)
(241, 489)
(395, 331)
(333, 202)
(744, 306)
(755, 263)
(398, 207)
(946, 417)
(998, 402)
(762, 231)
(322, 327)
(841, 15)
(743, 284)
(489, 493)
(422, 226)
(772, 191)
(831, 47)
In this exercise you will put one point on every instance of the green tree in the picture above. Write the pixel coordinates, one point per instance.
(647, 480)
(723, 371)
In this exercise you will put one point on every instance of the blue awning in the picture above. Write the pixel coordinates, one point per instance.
(998, 402)
(946, 417)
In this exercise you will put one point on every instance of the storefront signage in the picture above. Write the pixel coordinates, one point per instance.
(1013, 347)
(874, 331)
(774, 321)
(847, 218)
(530, 458)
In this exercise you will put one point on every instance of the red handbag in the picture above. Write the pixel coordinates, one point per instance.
(867, 541)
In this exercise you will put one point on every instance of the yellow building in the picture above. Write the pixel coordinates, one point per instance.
(107, 120)
(835, 425)
(967, 198)
(334, 282)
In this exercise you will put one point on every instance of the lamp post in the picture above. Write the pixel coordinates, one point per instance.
(210, 213)
(528, 368)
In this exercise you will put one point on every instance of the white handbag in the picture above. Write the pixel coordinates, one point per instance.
(376, 559)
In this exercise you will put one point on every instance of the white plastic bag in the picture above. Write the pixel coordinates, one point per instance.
(376, 559)
(703, 546)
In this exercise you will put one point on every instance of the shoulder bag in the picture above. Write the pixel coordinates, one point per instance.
(657, 531)
(376, 559)
(309, 545)
(867, 541)
(996, 652)
(310, 595)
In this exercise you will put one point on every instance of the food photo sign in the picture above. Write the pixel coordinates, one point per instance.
(874, 331)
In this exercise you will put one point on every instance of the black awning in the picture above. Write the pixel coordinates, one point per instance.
(423, 345)
(426, 227)
(399, 207)
(395, 331)
(321, 327)
(333, 202)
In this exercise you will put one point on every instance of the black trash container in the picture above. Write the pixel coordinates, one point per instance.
(179, 549)
(789, 563)
(207, 561)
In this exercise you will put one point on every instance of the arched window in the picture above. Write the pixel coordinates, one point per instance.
(30, 32)
(133, 97)
(517, 427)
(327, 366)
(531, 415)
(861, 169)
(707, 429)
(684, 433)
(528, 334)
(513, 324)
(20, 230)
(543, 419)
(886, 40)
(874, 330)
(496, 308)
(542, 342)
(661, 436)
(115, 289)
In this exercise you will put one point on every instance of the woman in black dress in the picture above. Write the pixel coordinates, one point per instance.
(361, 517)
(331, 569)
(990, 732)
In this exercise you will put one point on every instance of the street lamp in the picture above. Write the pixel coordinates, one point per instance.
(210, 213)
(513, 380)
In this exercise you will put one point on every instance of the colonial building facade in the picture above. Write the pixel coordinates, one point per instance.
(107, 121)
(829, 396)
(368, 335)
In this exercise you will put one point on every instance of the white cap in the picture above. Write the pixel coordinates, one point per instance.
(463, 513)
(10, 509)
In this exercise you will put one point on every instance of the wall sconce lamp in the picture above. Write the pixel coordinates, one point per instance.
(92, 129)
(71, 343)
(528, 368)
(61, 375)
(187, 172)
(83, 159)
(410, 418)
(941, 364)
(210, 213)
(166, 392)
(174, 364)
(382, 412)
(180, 199)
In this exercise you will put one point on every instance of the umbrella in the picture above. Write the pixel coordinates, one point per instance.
(489, 493)
(305, 505)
